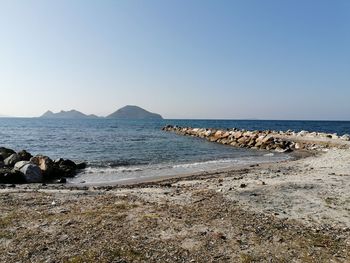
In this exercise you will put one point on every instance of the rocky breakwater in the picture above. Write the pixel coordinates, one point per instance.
(22, 167)
(278, 141)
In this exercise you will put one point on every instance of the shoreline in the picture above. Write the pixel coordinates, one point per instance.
(294, 210)
(160, 178)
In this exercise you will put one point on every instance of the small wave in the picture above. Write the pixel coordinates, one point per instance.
(109, 170)
(189, 165)
(120, 163)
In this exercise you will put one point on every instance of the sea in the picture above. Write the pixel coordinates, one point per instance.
(119, 151)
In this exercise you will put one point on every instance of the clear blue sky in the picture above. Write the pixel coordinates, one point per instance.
(183, 59)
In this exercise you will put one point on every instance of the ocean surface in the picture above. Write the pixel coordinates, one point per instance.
(119, 150)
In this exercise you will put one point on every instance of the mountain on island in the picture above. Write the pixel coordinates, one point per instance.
(135, 113)
(127, 112)
(72, 114)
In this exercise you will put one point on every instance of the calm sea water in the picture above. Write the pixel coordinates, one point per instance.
(118, 150)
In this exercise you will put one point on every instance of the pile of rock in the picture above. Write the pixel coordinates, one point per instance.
(22, 167)
(267, 140)
(238, 138)
(319, 135)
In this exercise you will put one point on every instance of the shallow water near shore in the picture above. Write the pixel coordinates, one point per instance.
(106, 176)
(119, 150)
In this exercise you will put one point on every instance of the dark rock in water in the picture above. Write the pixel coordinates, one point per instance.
(5, 152)
(9, 176)
(65, 168)
(24, 155)
(1, 164)
(81, 166)
(68, 163)
(12, 160)
(57, 169)
(58, 161)
(31, 172)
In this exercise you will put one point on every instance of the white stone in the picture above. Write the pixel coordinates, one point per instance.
(31, 172)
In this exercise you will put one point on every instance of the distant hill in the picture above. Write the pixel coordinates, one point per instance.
(72, 114)
(133, 112)
(127, 112)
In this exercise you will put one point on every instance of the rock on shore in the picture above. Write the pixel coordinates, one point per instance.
(278, 141)
(22, 167)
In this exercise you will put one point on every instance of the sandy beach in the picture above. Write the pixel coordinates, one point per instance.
(291, 211)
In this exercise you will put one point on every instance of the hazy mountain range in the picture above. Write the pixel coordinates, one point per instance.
(127, 112)
(72, 114)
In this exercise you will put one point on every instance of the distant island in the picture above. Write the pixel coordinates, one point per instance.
(127, 112)
(72, 114)
(133, 112)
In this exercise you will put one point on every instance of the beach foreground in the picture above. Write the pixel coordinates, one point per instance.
(293, 211)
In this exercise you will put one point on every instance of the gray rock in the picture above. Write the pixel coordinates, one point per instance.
(20, 164)
(5, 152)
(12, 159)
(345, 137)
(67, 168)
(302, 133)
(31, 172)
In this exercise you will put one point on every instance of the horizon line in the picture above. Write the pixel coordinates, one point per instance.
(189, 119)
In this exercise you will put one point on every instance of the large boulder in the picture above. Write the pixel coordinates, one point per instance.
(238, 135)
(208, 133)
(30, 171)
(45, 164)
(243, 140)
(81, 166)
(218, 134)
(10, 176)
(5, 152)
(24, 155)
(65, 168)
(12, 160)
(268, 139)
